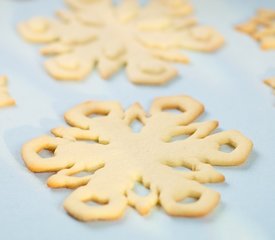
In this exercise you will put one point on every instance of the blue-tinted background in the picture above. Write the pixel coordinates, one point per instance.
(229, 83)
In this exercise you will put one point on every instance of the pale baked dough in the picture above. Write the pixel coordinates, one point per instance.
(96, 33)
(119, 158)
(271, 83)
(5, 98)
(261, 27)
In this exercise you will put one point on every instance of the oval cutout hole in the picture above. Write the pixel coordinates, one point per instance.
(182, 169)
(136, 126)
(96, 203)
(181, 137)
(188, 200)
(85, 173)
(141, 190)
(87, 141)
(173, 110)
(82, 174)
(97, 115)
(226, 148)
(46, 153)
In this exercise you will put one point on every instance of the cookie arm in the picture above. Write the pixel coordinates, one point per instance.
(205, 200)
(177, 189)
(189, 109)
(149, 72)
(198, 38)
(242, 148)
(31, 157)
(105, 188)
(111, 208)
(79, 115)
(65, 178)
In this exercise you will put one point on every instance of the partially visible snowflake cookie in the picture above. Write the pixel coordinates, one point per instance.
(271, 83)
(101, 142)
(98, 34)
(5, 98)
(261, 27)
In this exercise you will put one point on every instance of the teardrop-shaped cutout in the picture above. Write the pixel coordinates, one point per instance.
(87, 172)
(182, 169)
(141, 190)
(188, 200)
(173, 110)
(136, 126)
(181, 137)
(87, 141)
(226, 148)
(83, 174)
(97, 115)
(96, 203)
(45, 153)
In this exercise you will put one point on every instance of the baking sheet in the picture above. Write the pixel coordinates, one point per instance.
(229, 83)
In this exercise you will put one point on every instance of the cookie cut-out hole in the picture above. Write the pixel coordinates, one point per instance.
(136, 126)
(96, 203)
(182, 169)
(87, 141)
(141, 190)
(45, 153)
(173, 110)
(89, 172)
(188, 200)
(260, 27)
(226, 148)
(82, 174)
(181, 137)
(97, 115)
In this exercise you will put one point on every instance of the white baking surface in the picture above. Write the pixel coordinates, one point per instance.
(229, 83)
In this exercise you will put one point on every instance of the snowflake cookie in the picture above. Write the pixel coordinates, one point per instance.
(117, 158)
(5, 98)
(144, 39)
(261, 28)
(271, 83)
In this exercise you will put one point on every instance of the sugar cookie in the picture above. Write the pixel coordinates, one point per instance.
(98, 34)
(5, 98)
(271, 83)
(119, 158)
(261, 28)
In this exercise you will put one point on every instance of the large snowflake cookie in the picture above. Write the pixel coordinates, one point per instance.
(97, 33)
(119, 158)
(5, 98)
(261, 27)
